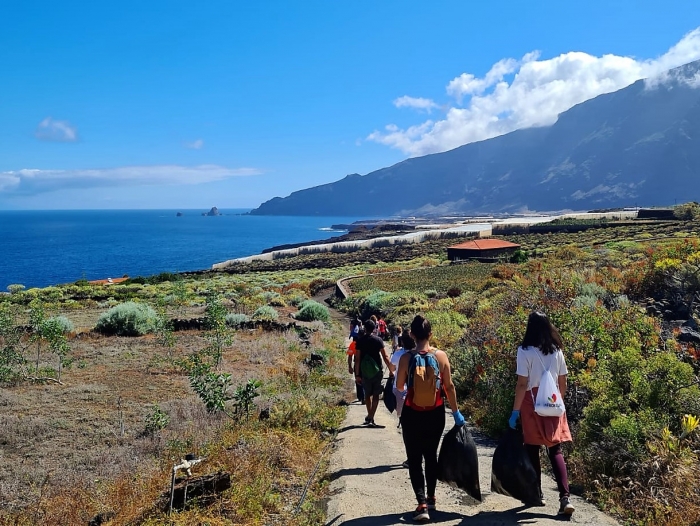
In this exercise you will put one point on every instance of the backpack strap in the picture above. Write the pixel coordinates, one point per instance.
(548, 369)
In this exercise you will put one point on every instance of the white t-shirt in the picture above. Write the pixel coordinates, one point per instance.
(395, 358)
(532, 366)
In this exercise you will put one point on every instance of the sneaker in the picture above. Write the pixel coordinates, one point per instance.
(367, 421)
(421, 513)
(565, 507)
(432, 503)
(404, 464)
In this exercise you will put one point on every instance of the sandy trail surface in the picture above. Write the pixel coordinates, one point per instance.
(370, 488)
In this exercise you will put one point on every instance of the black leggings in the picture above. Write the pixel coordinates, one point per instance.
(558, 467)
(422, 431)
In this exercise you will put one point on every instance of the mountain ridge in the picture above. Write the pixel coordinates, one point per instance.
(636, 146)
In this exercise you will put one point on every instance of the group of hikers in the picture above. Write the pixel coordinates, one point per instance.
(422, 379)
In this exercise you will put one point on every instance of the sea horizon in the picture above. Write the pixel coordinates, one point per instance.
(48, 247)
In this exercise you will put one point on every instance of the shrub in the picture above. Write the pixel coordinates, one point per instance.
(296, 298)
(128, 319)
(687, 211)
(237, 320)
(312, 311)
(15, 288)
(265, 313)
(431, 293)
(453, 292)
(156, 421)
(519, 256)
(63, 323)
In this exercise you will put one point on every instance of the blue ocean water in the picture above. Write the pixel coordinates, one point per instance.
(42, 248)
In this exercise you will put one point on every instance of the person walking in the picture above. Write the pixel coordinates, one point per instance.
(369, 353)
(406, 344)
(540, 351)
(427, 374)
(355, 333)
(396, 338)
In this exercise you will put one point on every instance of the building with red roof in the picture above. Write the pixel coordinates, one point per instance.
(482, 249)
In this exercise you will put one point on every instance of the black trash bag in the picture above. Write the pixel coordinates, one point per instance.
(512, 473)
(360, 392)
(458, 462)
(389, 396)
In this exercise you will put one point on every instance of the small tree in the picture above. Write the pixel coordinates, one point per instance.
(49, 331)
(37, 316)
(12, 361)
(156, 421)
(218, 332)
(52, 331)
(212, 388)
(245, 396)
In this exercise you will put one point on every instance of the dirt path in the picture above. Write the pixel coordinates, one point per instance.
(370, 488)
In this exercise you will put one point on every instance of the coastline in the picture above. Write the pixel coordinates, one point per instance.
(401, 231)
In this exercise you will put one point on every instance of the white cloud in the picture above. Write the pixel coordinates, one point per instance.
(56, 131)
(530, 92)
(34, 181)
(195, 145)
(417, 103)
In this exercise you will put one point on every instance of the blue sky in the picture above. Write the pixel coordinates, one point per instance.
(169, 104)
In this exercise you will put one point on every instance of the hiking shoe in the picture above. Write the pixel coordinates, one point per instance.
(541, 502)
(565, 507)
(404, 464)
(421, 513)
(432, 503)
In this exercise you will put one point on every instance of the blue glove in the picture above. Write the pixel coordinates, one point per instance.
(513, 420)
(459, 419)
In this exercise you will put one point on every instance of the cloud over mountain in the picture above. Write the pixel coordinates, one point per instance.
(526, 92)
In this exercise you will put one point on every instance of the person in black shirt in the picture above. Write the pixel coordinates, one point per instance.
(368, 368)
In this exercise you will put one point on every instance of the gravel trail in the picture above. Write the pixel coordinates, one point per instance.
(370, 488)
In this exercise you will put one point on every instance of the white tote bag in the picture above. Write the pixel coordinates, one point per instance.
(549, 401)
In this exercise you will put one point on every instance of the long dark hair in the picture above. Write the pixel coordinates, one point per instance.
(541, 333)
(407, 342)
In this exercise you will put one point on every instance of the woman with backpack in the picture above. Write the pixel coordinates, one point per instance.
(426, 372)
(540, 353)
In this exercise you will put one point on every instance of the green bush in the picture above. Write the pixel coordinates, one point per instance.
(128, 319)
(237, 320)
(64, 323)
(519, 256)
(265, 313)
(687, 211)
(312, 311)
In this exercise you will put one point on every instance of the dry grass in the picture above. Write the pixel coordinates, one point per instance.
(74, 450)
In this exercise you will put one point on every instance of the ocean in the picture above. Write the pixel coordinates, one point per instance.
(43, 248)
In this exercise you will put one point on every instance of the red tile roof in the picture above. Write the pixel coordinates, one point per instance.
(485, 244)
(108, 281)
